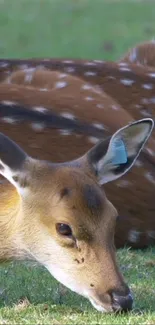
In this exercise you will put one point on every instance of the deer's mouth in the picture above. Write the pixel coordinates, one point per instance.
(116, 304)
(102, 307)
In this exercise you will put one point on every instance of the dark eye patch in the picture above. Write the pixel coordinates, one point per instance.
(92, 198)
(64, 192)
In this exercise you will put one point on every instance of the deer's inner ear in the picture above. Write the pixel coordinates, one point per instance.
(12, 160)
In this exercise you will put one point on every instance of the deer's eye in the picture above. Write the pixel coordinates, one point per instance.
(64, 229)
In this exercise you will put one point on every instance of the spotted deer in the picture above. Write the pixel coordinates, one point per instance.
(50, 210)
(76, 102)
(141, 54)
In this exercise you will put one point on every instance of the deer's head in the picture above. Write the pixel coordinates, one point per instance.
(65, 220)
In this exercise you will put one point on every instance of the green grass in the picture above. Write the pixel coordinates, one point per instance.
(73, 28)
(94, 29)
(44, 303)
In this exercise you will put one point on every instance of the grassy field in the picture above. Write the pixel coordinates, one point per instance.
(30, 296)
(94, 29)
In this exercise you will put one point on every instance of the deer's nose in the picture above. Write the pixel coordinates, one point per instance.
(121, 303)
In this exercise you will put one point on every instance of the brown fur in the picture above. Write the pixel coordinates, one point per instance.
(141, 54)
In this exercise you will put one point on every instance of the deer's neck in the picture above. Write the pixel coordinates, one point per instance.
(11, 223)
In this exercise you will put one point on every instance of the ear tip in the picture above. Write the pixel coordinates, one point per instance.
(145, 121)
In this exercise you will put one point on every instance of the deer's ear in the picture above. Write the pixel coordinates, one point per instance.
(12, 159)
(112, 158)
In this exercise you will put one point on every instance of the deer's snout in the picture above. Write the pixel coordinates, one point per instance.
(121, 303)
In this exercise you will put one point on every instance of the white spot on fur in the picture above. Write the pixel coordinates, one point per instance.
(145, 101)
(97, 90)
(150, 152)
(133, 55)
(90, 73)
(151, 74)
(100, 106)
(99, 126)
(138, 106)
(8, 80)
(9, 120)
(38, 126)
(88, 98)
(61, 84)
(7, 102)
(29, 74)
(151, 233)
(69, 69)
(115, 107)
(124, 69)
(68, 61)
(150, 177)
(93, 140)
(3, 64)
(63, 75)
(46, 60)
(65, 132)
(138, 163)
(133, 236)
(40, 109)
(90, 63)
(68, 115)
(127, 82)
(147, 86)
(98, 61)
(123, 183)
(43, 89)
(144, 112)
(86, 87)
(123, 64)
(152, 100)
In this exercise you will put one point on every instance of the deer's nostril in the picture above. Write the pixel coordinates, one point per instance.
(122, 303)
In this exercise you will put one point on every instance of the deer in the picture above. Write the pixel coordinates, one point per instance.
(62, 123)
(141, 54)
(50, 210)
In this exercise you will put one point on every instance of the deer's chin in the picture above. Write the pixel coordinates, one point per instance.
(100, 307)
(65, 279)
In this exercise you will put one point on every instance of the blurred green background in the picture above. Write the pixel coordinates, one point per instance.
(93, 29)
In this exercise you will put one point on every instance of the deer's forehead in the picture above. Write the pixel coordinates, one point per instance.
(86, 200)
(74, 190)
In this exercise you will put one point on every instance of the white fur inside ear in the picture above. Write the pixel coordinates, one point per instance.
(9, 174)
(133, 137)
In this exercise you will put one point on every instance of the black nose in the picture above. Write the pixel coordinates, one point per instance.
(122, 303)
